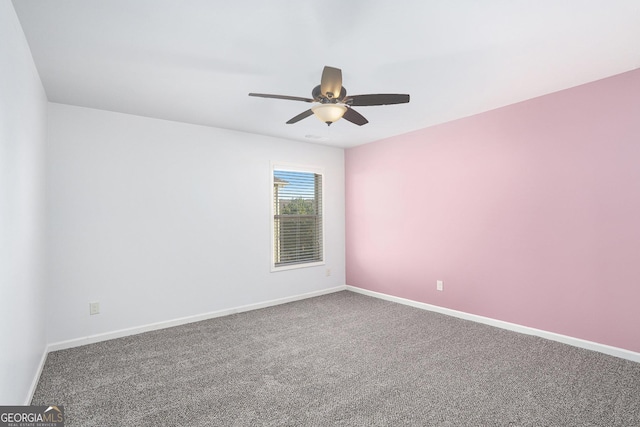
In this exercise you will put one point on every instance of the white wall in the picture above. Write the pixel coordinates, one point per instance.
(22, 147)
(160, 220)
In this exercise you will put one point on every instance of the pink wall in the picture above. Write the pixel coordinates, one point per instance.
(529, 213)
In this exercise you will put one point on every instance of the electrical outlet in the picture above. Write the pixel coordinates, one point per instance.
(327, 272)
(439, 285)
(94, 308)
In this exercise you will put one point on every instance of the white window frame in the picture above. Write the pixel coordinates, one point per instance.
(295, 168)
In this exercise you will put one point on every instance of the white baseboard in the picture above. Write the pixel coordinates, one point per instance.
(36, 378)
(76, 342)
(576, 342)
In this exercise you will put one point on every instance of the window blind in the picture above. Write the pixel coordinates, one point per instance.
(297, 217)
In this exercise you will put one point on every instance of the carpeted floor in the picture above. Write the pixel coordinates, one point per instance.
(342, 359)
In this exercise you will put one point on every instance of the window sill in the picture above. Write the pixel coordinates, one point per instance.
(275, 269)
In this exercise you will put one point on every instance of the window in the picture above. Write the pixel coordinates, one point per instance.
(297, 218)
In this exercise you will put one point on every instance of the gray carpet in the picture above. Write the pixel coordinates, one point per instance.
(342, 359)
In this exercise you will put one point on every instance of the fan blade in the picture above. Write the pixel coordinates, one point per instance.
(300, 116)
(331, 83)
(377, 99)
(354, 117)
(290, 98)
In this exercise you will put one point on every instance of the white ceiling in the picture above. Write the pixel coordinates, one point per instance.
(195, 61)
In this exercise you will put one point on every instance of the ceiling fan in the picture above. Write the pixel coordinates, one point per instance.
(333, 102)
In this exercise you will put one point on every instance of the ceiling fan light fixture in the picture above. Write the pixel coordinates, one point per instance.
(329, 113)
(330, 108)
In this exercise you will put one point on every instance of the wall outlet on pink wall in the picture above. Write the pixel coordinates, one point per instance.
(439, 285)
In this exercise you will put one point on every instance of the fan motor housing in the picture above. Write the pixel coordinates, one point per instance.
(320, 97)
